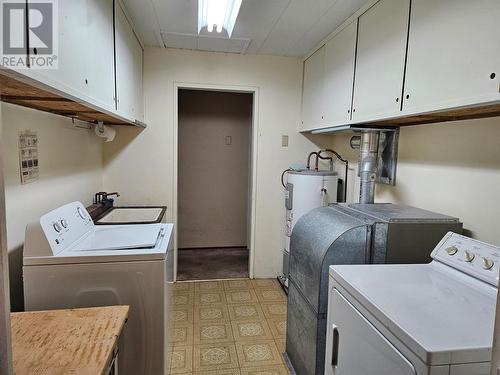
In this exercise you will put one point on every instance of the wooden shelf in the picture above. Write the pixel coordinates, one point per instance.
(26, 92)
(454, 114)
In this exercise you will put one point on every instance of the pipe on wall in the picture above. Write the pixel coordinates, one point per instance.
(368, 165)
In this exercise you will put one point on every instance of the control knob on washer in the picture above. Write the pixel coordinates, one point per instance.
(452, 250)
(487, 263)
(57, 227)
(81, 213)
(469, 256)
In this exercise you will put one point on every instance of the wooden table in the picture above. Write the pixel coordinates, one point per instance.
(73, 341)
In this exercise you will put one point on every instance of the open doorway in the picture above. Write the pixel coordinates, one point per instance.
(214, 184)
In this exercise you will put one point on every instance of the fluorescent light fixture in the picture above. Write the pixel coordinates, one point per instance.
(219, 13)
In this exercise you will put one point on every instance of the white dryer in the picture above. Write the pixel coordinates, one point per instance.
(432, 319)
(69, 262)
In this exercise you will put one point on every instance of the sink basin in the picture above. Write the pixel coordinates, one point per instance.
(132, 215)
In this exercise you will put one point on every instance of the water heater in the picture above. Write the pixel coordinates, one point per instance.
(305, 190)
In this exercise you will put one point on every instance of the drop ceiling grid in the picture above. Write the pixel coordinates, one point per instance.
(274, 27)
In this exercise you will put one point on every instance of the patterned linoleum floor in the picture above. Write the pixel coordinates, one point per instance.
(230, 327)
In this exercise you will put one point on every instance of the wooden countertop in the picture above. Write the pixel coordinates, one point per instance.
(73, 341)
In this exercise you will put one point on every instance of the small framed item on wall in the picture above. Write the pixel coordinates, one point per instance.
(28, 156)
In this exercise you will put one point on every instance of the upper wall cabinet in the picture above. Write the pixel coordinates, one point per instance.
(328, 81)
(71, 60)
(85, 53)
(98, 46)
(312, 90)
(380, 61)
(453, 54)
(129, 57)
(339, 74)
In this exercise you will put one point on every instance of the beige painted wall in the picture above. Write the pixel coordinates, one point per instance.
(70, 169)
(142, 167)
(452, 168)
(213, 177)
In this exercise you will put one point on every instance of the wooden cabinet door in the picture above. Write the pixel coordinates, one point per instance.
(380, 60)
(312, 90)
(99, 56)
(453, 54)
(339, 75)
(129, 54)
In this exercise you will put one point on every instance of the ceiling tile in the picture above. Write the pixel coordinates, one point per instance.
(182, 41)
(276, 27)
(234, 45)
(180, 16)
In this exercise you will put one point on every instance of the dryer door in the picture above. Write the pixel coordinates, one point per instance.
(355, 346)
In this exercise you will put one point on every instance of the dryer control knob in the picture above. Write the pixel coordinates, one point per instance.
(452, 250)
(469, 256)
(57, 227)
(64, 223)
(488, 263)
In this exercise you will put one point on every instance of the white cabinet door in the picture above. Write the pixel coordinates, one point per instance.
(85, 53)
(312, 90)
(129, 56)
(69, 76)
(99, 53)
(380, 60)
(355, 346)
(453, 54)
(339, 75)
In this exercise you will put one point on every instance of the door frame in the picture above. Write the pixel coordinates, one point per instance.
(253, 160)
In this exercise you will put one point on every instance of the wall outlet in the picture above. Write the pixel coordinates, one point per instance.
(229, 140)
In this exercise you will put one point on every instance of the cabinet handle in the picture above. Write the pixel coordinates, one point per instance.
(348, 111)
(35, 51)
(397, 100)
(407, 96)
(335, 346)
(493, 75)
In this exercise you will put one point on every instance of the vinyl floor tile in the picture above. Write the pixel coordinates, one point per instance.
(211, 313)
(258, 353)
(215, 357)
(212, 333)
(251, 330)
(230, 327)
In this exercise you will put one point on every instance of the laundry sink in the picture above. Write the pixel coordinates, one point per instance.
(132, 215)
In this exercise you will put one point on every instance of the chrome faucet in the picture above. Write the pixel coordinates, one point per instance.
(103, 197)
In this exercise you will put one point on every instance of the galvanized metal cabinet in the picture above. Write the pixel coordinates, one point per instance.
(339, 75)
(380, 61)
(129, 58)
(312, 90)
(453, 54)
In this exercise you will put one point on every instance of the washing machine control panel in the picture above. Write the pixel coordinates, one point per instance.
(473, 257)
(65, 225)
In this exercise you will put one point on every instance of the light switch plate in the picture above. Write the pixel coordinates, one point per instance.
(229, 140)
(284, 140)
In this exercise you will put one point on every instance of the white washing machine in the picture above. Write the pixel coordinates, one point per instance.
(432, 319)
(69, 262)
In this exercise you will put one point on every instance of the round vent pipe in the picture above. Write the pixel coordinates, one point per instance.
(368, 164)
